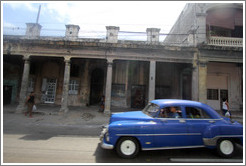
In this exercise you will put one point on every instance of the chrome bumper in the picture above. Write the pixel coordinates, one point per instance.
(106, 146)
(103, 144)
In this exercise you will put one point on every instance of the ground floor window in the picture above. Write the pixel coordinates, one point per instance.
(31, 85)
(73, 87)
(213, 94)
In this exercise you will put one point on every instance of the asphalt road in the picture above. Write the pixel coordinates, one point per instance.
(75, 139)
(41, 148)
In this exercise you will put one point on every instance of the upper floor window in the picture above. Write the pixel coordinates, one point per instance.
(225, 22)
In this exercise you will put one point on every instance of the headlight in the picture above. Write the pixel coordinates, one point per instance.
(107, 137)
(104, 133)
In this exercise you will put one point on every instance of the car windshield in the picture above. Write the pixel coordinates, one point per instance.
(151, 110)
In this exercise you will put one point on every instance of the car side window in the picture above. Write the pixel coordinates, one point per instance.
(170, 112)
(196, 113)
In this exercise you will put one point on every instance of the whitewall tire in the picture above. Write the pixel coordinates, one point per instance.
(127, 147)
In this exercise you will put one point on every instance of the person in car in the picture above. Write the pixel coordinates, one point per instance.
(173, 113)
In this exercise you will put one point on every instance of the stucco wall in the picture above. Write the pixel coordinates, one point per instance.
(225, 76)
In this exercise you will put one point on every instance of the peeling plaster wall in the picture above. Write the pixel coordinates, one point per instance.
(218, 73)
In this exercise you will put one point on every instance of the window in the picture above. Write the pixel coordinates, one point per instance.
(196, 113)
(213, 94)
(31, 85)
(73, 87)
(170, 112)
(151, 110)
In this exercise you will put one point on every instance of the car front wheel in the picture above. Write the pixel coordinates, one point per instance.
(226, 148)
(127, 147)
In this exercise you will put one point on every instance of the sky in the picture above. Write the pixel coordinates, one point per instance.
(91, 16)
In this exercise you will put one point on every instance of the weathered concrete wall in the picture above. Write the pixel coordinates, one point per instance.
(226, 76)
(183, 25)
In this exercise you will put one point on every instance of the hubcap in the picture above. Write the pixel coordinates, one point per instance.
(226, 147)
(128, 147)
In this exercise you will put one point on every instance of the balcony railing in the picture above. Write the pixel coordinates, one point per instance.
(225, 41)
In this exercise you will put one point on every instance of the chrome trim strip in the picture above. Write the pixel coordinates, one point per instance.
(187, 119)
(175, 147)
(203, 119)
(213, 141)
(158, 134)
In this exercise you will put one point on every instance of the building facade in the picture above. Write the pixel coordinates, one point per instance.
(216, 29)
(73, 71)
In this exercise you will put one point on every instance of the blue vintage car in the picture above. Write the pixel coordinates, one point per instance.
(171, 124)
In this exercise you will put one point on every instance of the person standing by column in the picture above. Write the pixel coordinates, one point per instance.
(30, 101)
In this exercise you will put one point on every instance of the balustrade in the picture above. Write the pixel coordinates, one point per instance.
(225, 41)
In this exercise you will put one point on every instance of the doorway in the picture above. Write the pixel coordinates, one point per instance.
(7, 94)
(223, 95)
(138, 96)
(97, 82)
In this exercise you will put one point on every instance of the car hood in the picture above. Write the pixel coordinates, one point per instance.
(125, 116)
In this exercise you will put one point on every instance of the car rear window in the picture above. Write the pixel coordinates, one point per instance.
(196, 113)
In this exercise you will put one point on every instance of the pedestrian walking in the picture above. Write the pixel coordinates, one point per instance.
(102, 104)
(30, 101)
(225, 108)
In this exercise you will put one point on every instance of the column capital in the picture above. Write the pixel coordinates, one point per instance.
(26, 57)
(110, 61)
(67, 59)
(203, 63)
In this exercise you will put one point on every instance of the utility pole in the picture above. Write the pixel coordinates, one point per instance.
(38, 14)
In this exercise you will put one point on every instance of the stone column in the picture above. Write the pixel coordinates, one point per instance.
(194, 89)
(24, 85)
(108, 87)
(152, 72)
(201, 23)
(126, 83)
(64, 101)
(203, 81)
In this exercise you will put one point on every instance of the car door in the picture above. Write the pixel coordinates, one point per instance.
(170, 132)
(197, 121)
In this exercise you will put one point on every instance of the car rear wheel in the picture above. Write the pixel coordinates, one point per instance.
(127, 147)
(226, 148)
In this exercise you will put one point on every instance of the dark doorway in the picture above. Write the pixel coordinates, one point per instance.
(138, 96)
(7, 94)
(186, 86)
(223, 95)
(97, 80)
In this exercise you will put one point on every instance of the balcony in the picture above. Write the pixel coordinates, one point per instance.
(225, 41)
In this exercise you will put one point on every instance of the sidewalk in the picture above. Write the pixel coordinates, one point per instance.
(48, 119)
(50, 114)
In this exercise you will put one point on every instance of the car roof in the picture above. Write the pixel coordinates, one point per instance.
(167, 102)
